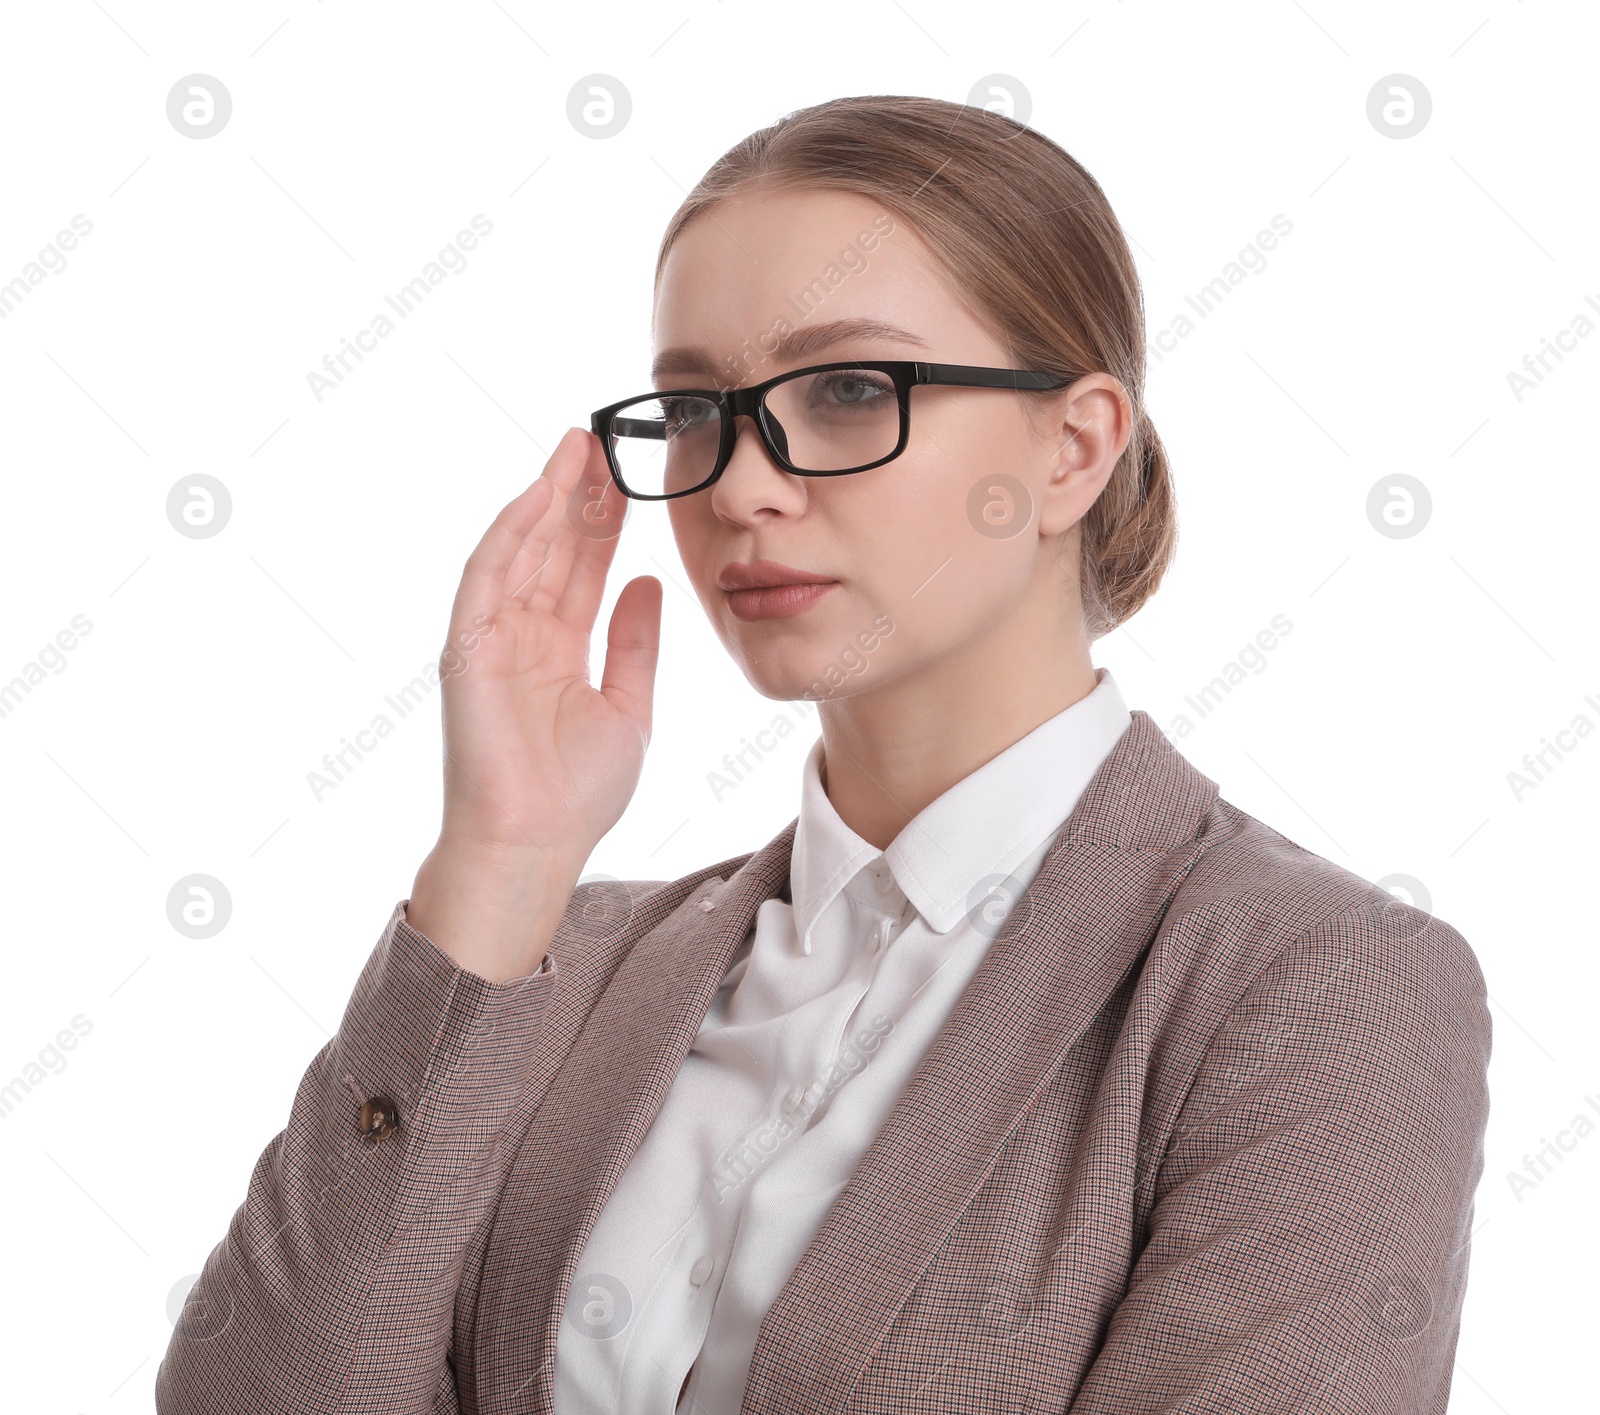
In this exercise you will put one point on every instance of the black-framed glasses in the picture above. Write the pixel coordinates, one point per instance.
(827, 420)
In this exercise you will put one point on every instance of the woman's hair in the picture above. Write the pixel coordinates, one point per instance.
(1029, 238)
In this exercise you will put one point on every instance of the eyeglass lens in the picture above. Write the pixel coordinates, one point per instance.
(822, 422)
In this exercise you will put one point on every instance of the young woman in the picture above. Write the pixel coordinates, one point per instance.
(1020, 1071)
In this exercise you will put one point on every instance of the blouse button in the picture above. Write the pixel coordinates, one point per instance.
(701, 1271)
(791, 1102)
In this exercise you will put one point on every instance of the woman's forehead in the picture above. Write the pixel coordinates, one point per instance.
(768, 277)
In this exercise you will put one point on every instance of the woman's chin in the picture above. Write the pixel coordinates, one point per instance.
(785, 678)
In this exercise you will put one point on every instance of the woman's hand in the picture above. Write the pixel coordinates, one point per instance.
(539, 764)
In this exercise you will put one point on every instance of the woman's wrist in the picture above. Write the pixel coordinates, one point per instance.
(492, 911)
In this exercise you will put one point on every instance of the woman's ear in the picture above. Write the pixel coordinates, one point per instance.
(1088, 431)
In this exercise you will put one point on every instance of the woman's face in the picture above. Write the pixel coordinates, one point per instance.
(932, 562)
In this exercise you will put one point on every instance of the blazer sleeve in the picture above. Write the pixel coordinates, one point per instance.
(1308, 1239)
(334, 1287)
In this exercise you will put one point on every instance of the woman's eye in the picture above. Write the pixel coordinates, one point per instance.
(852, 388)
(679, 412)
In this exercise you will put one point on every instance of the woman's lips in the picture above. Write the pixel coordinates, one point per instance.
(776, 601)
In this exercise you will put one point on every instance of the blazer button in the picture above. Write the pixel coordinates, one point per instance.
(380, 1117)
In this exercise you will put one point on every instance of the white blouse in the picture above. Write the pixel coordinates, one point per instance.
(818, 1024)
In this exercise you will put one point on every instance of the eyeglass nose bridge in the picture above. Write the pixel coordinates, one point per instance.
(751, 403)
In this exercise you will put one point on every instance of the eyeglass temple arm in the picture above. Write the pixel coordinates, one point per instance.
(639, 427)
(972, 376)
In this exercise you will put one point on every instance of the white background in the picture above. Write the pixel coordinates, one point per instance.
(178, 338)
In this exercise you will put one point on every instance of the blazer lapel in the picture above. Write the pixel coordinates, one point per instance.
(598, 1108)
(1081, 926)
(1087, 918)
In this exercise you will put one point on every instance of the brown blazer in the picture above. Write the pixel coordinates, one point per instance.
(1202, 1133)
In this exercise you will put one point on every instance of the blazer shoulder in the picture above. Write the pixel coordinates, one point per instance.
(610, 914)
(644, 893)
(1254, 896)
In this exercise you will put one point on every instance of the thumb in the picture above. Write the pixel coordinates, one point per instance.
(633, 646)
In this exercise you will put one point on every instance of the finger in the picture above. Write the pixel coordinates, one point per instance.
(518, 537)
(483, 580)
(633, 647)
(538, 573)
(596, 508)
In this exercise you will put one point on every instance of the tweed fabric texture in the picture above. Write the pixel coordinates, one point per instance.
(1202, 1133)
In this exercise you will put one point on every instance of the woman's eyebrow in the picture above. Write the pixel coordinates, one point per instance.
(796, 345)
